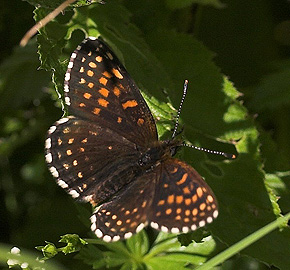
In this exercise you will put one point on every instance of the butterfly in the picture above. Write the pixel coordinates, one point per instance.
(107, 152)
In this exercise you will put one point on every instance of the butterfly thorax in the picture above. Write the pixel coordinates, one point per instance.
(158, 152)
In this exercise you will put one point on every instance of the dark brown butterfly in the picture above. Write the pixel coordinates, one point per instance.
(107, 152)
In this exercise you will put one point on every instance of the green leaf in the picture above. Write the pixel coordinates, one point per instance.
(48, 251)
(187, 3)
(74, 243)
(273, 91)
(138, 244)
(18, 86)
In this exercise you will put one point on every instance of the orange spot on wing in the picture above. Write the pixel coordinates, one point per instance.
(121, 86)
(107, 74)
(92, 65)
(116, 91)
(103, 102)
(104, 92)
(103, 80)
(194, 198)
(117, 73)
(130, 104)
(82, 81)
(210, 198)
(183, 179)
(170, 199)
(202, 206)
(133, 224)
(90, 85)
(168, 211)
(119, 120)
(194, 212)
(174, 170)
(186, 190)
(87, 95)
(179, 199)
(99, 59)
(96, 111)
(140, 122)
(161, 202)
(199, 192)
(187, 201)
(82, 104)
(90, 73)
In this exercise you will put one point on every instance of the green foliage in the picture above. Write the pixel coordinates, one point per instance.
(73, 241)
(161, 43)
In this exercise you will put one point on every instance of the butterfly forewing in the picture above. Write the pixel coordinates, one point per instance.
(90, 161)
(99, 89)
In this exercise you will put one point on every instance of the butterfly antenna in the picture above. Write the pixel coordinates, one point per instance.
(227, 155)
(180, 107)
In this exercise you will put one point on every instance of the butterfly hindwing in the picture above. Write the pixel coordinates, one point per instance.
(98, 88)
(182, 201)
(127, 212)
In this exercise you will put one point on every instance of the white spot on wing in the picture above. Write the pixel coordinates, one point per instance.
(74, 193)
(93, 218)
(175, 230)
(201, 223)
(140, 227)
(73, 55)
(127, 235)
(67, 76)
(185, 229)
(48, 158)
(52, 129)
(54, 172)
(93, 227)
(62, 120)
(66, 89)
(67, 101)
(62, 184)
(99, 233)
(107, 238)
(209, 220)
(88, 198)
(48, 143)
(215, 214)
(70, 64)
(164, 229)
(154, 225)
(116, 238)
(193, 227)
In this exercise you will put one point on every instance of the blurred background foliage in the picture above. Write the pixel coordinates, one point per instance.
(249, 42)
